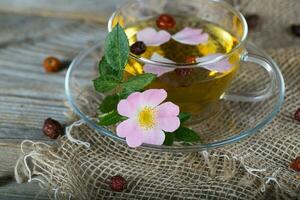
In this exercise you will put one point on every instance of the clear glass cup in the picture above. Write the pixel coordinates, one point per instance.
(203, 96)
(247, 104)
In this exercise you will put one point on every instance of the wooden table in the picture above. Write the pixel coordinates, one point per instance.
(29, 33)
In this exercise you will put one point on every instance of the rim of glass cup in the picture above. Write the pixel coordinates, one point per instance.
(198, 147)
(188, 65)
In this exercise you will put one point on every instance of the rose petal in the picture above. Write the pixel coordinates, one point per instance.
(154, 136)
(169, 124)
(130, 106)
(125, 108)
(127, 127)
(153, 38)
(136, 100)
(154, 96)
(220, 66)
(191, 36)
(167, 109)
(155, 69)
(135, 138)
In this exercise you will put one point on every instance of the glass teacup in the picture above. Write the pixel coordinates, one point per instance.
(195, 73)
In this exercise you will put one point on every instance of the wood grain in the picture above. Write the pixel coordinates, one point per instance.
(27, 94)
(9, 189)
(92, 10)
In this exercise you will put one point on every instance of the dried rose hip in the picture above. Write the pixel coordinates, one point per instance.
(165, 21)
(117, 183)
(138, 48)
(297, 115)
(252, 20)
(183, 72)
(296, 29)
(52, 64)
(52, 128)
(190, 59)
(295, 164)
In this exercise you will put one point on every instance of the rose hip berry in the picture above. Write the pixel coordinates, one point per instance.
(183, 72)
(117, 183)
(165, 21)
(138, 48)
(190, 59)
(52, 64)
(295, 164)
(297, 115)
(252, 20)
(52, 128)
(296, 30)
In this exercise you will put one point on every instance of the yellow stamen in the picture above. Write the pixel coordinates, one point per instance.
(146, 118)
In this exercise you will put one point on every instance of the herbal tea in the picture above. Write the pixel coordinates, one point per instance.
(194, 89)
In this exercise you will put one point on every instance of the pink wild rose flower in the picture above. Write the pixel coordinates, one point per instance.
(148, 118)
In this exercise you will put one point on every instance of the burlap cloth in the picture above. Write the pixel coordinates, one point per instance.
(255, 168)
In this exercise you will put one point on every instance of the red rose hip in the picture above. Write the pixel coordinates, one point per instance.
(297, 115)
(295, 29)
(52, 64)
(295, 164)
(52, 128)
(190, 59)
(165, 21)
(183, 72)
(117, 183)
(252, 20)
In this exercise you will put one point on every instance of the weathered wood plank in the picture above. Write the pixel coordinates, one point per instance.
(27, 94)
(92, 10)
(27, 191)
(9, 189)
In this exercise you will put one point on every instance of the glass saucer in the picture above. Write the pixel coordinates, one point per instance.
(232, 122)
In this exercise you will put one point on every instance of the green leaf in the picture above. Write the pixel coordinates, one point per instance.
(169, 139)
(109, 103)
(104, 67)
(138, 82)
(186, 135)
(117, 48)
(105, 83)
(183, 116)
(110, 118)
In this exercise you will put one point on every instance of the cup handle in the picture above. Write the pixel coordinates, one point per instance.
(266, 64)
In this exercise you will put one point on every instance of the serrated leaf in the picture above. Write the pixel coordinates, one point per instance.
(183, 117)
(138, 82)
(111, 118)
(104, 67)
(109, 103)
(117, 48)
(186, 135)
(105, 83)
(169, 139)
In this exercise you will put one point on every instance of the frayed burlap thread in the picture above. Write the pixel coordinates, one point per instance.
(255, 168)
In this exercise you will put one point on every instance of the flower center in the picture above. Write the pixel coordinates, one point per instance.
(146, 118)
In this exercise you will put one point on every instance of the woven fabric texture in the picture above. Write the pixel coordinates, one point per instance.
(255, 168)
